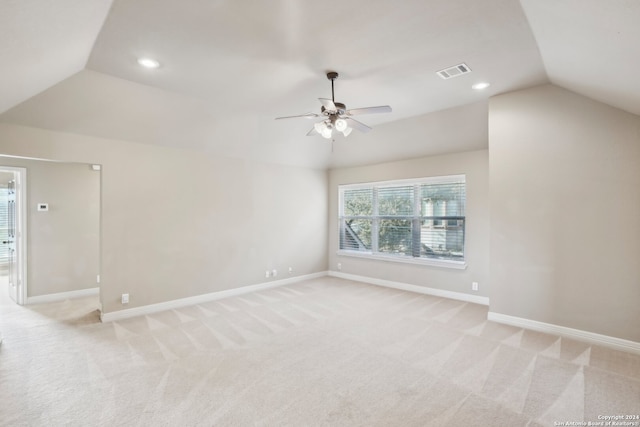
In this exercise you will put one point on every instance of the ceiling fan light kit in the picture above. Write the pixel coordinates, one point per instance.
(341, 125)
(336, 116)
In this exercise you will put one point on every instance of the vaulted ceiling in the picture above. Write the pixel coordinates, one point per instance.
(228, 68)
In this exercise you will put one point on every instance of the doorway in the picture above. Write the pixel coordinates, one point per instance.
(13, 182)
(59, 257)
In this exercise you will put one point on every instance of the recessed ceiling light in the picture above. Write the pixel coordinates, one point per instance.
(148, 62)
(480, 86)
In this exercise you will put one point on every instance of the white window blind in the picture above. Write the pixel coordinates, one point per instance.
(4, 227)
(418, 219)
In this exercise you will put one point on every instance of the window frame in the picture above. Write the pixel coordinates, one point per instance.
(416, 215)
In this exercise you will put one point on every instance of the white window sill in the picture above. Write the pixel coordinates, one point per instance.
(456, 265)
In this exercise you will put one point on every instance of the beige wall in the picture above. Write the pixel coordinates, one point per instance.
(179, 223)
(5, 177)
(561, 177)
(62, 243)
(565, 211)
(474, 164)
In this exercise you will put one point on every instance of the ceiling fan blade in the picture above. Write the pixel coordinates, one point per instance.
(369, 110)
(304, 116)
(312, 132)
(328, 104)
(357, 125)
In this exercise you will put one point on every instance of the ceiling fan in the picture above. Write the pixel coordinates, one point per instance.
(336, 116)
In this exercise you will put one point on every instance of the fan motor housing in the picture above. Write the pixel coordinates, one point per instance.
(340, 109)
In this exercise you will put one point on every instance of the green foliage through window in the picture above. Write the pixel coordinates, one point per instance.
(420, 219)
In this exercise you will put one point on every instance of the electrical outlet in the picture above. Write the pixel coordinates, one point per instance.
(125, 298)
(274, 272)
(339, 266)
(267, 274)
(474, 286)
(290, 270)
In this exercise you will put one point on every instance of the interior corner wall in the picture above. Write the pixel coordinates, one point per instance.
(565, 211)
(180, 223)
(473, 164)
(63, 243)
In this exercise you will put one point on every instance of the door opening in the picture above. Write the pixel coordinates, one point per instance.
(13, 181)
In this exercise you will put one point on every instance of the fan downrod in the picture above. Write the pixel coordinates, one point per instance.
(332, 75)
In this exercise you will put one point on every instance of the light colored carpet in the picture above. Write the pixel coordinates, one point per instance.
(324, 352)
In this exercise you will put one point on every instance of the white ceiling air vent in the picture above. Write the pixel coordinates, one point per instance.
(455, 71)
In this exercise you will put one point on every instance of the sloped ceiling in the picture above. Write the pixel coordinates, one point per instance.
(228, 68)
(591, 47)
(43, 43)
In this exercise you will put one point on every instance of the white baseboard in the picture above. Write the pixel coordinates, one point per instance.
(413, 288)
(61, 296)
(198, 299)
(563, 331)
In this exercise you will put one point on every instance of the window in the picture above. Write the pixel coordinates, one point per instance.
(412, 220)
(4, 227)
